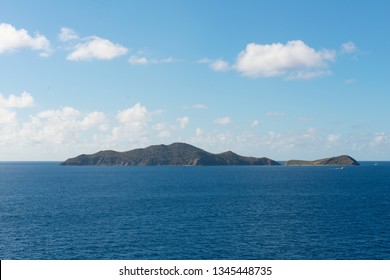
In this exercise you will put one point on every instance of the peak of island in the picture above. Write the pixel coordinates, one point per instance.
(182, 154)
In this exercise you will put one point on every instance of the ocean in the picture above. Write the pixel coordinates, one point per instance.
(48, 211)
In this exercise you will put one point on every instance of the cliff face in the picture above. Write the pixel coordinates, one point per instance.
(339, 160)
(174, 154)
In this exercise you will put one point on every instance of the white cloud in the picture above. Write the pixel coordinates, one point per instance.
(222, 121)
(64, 132)
(95, 119)
(283, 60)
(183, 121)
(64, 113)
(67, 34)
(132, 127)
(135, 114)
(12, 39)
(7, 116)
(52, 126)
(25, 100)
(56, 132)
(96, 48)
(348, 47)
(60, 127)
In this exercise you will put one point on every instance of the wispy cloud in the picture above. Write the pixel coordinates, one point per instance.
(138, 60)
(67, 34)
(12, 39)
(143, 60)
(307, 75)
(348, 47)
(218, 65)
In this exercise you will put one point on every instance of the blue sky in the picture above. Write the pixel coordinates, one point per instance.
(282, 79)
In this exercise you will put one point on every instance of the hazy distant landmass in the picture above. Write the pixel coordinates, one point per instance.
(339, 160)
(174, 154)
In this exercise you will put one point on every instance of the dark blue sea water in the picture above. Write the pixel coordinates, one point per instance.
(49, 211)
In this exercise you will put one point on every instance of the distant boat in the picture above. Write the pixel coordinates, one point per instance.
(342, 167)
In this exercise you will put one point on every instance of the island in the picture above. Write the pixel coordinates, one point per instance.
(338, 161)
(182, 154)
(176, 154)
